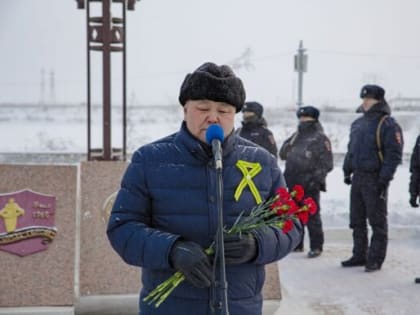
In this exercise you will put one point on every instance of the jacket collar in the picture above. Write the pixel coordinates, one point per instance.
(251, 124)
(310, 126)
(201, 150)
(380, 108)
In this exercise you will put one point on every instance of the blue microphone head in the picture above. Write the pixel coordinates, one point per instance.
(214, 132)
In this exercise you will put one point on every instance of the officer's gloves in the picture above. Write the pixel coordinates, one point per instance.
(239, 248)
(192, 261)
(347, 180)
(413, 201)
(382, 185)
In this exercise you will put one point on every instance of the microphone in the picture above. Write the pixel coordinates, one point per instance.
(214, 137)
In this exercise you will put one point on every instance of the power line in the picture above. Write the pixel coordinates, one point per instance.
(362, 54)
(254, 59)
(273, 56)
(183, 72)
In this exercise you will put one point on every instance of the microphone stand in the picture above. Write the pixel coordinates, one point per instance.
(218, 301)
(221, 283)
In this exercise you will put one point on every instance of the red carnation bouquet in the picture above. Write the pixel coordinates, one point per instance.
(278, 211)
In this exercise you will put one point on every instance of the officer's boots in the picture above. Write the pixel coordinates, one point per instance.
(354, 262)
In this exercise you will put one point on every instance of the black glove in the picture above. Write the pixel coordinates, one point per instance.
(239, 248)
(347, 180)
(413, 201)
(382, 185)
(192, 261)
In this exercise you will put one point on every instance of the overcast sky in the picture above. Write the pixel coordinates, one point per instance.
(349, 43)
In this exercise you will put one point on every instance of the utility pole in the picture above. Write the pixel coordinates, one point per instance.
(42, 88)
(106, 34)
(52, 88)
(301, 66)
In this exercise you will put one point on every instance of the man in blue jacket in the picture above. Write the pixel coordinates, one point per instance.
(165, 213)
(374, 152)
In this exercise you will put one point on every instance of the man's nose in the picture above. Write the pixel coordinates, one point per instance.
(213, 117)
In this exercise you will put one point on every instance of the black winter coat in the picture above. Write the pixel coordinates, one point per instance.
(415, 169)
(257, 132)
(308, 157)
(362, 155)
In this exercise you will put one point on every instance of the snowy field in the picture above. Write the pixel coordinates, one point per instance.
(62, 129)
(55, 128)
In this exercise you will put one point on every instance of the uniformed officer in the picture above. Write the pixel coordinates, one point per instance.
(415, 180)
(415, 174)
(254, 127)
(374, 152)
(308, 161)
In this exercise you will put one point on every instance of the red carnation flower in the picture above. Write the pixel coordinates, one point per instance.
(303, 216)
(297, 192)
(311, 205)
(287, 226)
(287, 207)
(283, 194)
(292, 207)
(282, 208)
(276, 204)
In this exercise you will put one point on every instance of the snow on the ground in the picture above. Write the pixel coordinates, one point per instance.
(335, 202)
(321, 286)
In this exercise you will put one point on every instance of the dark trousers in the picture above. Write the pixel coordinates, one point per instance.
(314, 225)
(368, 203)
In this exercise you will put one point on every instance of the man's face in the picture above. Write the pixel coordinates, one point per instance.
(306, 118)
(199, 114)
(368, 103)
(247, 115)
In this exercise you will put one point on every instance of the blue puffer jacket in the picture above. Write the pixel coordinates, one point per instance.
(362, 155)
(168, 192)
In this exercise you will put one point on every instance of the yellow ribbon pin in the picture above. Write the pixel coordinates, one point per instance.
(248, 170)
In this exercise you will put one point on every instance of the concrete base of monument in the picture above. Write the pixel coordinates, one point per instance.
(128, 305)
(51, 310)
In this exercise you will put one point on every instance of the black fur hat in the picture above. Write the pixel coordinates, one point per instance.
(309, 111)
(215, 83)
(372, 91)
(254, 107)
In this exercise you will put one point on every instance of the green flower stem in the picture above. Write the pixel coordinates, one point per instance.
(210, 251)
(164, 296)
(169, 287)
(161, 288)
